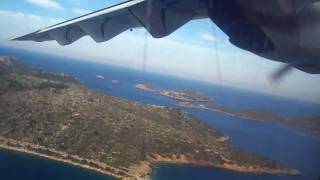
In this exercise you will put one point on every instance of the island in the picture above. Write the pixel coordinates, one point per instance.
(175, 94)
(57, 117)
(99, 76)
(147, 87)
(114, 81)
(189, 99)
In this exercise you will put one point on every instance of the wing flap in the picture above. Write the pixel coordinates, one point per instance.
(67, 35)
(162, 18)
(101, 26)
(106, 27)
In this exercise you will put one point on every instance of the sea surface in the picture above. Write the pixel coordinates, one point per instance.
(292, 147)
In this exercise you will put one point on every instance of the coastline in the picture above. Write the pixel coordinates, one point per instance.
(140, 171)
(175, 94)
(56, 159)
(13, 145)
(145, 87)
(227, 165)
(310, 124)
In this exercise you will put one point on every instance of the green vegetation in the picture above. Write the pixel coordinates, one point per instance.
(57, 112)
(6, 84)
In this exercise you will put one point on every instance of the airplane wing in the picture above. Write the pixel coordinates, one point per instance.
(160, 18)
(281, 30)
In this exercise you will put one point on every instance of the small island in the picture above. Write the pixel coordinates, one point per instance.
(99, 76)
(114, 81)
(55, 116)
(147, 87)
(199, 101)
(175, 94)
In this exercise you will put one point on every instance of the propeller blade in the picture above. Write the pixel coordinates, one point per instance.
(280, 73)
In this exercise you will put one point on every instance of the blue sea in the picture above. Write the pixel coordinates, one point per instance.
(292, 147)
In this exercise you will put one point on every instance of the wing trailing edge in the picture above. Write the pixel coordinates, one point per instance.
(160, 18)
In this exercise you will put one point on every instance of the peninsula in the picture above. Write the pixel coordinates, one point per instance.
(306, 123)
(55, 116)
(199, 101)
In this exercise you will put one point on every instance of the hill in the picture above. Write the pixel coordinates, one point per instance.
(55, 116)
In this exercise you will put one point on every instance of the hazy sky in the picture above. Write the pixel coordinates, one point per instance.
(198, 50)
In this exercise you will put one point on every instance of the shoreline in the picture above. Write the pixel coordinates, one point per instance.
(23, 148)
(227, 165)
(4, 147)
(175, 94)
(292, 122)
(140, 171)
(77, 115)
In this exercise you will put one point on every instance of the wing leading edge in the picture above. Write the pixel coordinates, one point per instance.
(280, 30)
(160, 18)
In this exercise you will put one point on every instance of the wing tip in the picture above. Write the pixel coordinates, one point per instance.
(17, 38)
(24, 37)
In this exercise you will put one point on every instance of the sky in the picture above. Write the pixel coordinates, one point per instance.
(199, 50)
